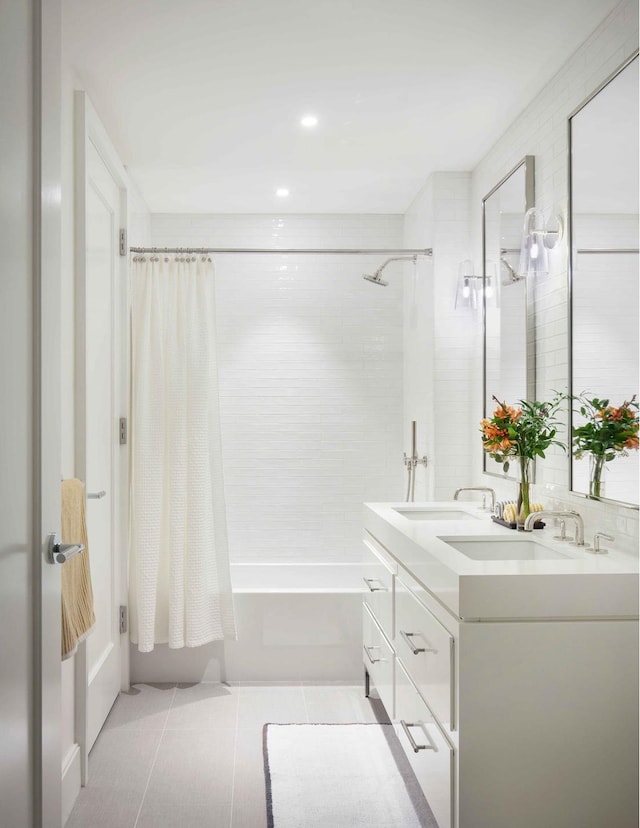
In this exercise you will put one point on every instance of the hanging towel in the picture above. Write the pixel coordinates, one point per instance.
(78, 616)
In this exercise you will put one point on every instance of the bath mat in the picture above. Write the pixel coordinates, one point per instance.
(340, 776)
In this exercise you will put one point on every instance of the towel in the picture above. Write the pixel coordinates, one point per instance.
(78, 616)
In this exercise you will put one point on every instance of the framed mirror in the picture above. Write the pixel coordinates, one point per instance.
(508, 336)
(603, 286)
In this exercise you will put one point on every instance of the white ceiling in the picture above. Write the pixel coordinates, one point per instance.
(202, 98)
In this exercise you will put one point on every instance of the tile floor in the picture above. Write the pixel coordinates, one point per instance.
(191, 754)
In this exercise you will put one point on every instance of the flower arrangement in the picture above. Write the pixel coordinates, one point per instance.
(525, 432)
(607, 433)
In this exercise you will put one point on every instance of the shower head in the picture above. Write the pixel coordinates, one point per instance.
(375, 279)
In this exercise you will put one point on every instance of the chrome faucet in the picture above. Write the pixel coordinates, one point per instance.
(534, 516)
(477, 489)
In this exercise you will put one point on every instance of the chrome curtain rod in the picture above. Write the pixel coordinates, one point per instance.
(607, 250)
(427, 251)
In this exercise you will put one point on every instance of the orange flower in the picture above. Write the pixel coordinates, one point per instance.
(632, 443)
(505, 412)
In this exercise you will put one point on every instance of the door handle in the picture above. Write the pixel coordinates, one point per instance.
(61, 552)
(96, 495)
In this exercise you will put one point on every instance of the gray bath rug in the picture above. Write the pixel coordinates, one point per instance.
(340, 776)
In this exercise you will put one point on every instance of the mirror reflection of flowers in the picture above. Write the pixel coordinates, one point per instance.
(608, 432)
(523, 432)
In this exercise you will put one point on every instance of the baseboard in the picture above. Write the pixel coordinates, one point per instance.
(70, 781)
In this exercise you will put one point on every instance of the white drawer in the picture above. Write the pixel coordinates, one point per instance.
(379, 570)
(426, 649)
(428, 751)
(378, 659)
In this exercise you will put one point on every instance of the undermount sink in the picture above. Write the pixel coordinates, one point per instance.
(433, 514)
(504, 550)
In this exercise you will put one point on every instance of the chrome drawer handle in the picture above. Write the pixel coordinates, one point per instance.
(406, 637)
(416, 747)
(369, 656)
(369, 581)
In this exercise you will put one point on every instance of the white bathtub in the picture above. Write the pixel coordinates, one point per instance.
(330, 578)
(295, 622)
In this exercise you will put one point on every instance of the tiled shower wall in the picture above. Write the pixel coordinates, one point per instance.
(310, 367)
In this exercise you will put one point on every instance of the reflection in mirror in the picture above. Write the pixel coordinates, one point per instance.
(604, 278)
(508, 346)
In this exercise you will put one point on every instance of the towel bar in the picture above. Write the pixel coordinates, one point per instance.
(61, 552)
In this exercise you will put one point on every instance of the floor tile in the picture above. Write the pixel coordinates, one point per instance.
(249, 803)
(258, 705)
(203, 706)
(338, 704)
(193, 770)
(119, 767)
(143, 707)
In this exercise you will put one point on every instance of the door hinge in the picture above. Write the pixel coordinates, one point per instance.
(123, 241)
(123, 619)
(123, 431)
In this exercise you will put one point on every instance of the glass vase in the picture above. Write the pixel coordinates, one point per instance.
(524, 491)
(596, 473)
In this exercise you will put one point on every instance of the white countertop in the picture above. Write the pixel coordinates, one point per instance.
(579, 585)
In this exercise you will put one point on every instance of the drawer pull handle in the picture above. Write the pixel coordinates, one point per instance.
(369, 656)
(406, 637)
(416, 747)
(381, 588)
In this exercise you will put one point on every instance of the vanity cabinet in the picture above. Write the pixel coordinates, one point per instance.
(527, 722)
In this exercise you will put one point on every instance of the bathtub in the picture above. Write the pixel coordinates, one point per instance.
(322, 578)
(295, 622)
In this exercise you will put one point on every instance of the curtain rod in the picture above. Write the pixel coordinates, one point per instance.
(607, 250)
(427, 251)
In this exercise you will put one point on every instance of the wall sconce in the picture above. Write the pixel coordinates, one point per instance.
(466, 289)
(538, 237)
(471, 287)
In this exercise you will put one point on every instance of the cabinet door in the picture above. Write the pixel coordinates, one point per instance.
(429, 753)
(378, 659)
(426, 649)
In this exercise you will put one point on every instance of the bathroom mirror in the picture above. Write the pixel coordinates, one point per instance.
(508, 345)
(603, 227)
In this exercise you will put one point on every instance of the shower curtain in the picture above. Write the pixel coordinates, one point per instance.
(180, 586)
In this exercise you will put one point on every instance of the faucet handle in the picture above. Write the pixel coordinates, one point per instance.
(563, 531)
(597, 550)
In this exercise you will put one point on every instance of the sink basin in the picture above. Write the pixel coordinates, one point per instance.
(433, 514)
(504, 550)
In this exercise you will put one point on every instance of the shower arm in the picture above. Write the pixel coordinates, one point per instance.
(378, 272)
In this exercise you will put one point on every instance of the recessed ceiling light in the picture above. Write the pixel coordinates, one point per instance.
(309, 121)
(282, 192)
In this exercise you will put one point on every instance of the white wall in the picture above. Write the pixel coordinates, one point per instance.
(310, 371)
(541, 130)
(440, 386)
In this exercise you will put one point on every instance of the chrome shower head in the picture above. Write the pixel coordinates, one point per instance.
(375, 279)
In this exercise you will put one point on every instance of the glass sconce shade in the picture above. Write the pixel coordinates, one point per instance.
(466, 288)
(490, 285)
(534, 253)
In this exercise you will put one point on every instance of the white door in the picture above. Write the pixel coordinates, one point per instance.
(102, 282)
(29, 414)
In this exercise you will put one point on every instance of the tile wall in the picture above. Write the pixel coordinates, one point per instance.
(541, 130)
(310, 368)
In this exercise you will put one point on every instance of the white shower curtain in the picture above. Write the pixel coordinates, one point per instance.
(179, 563)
